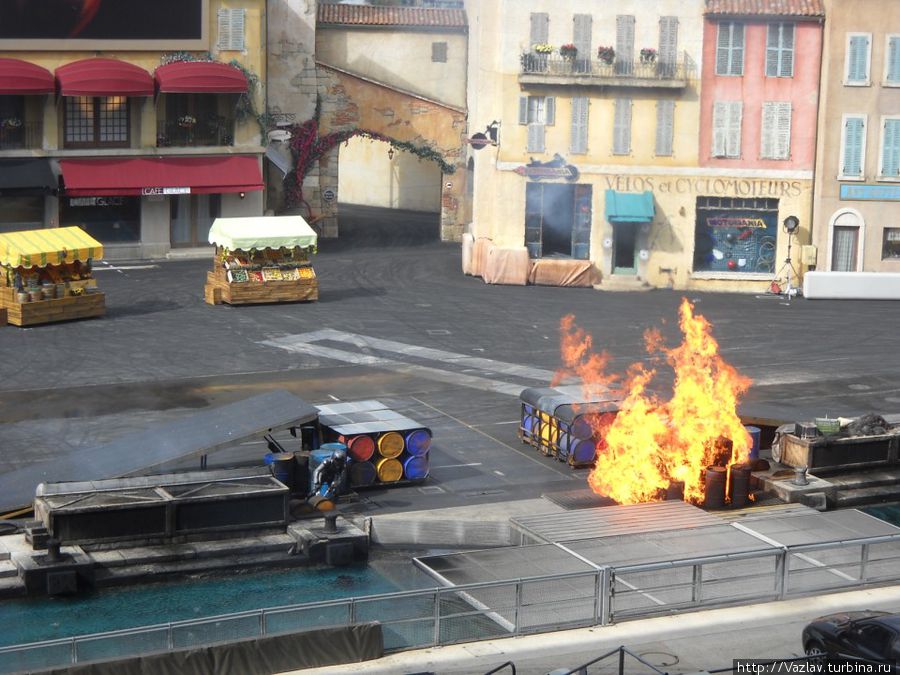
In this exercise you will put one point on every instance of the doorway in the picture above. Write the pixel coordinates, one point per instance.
(191, 218)
(558, 220)
(624, 240)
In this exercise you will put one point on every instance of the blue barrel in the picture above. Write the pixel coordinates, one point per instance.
(581, 427)
(362, 474)
(415, 467)
(283, 468)
(528, 422)
(563, 444)
(583, 451)
(418, 442)
(754, 436)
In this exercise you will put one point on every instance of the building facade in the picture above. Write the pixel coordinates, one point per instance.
(857, 188)
(138, 124)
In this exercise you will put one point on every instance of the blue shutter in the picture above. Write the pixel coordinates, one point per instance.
(890, 153)
(853, 140)
(858, 56)
(893, 64)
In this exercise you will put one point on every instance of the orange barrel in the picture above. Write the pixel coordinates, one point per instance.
(390, 444)
(418, 442)
(361, 448)
(362, 474)
(389, 470)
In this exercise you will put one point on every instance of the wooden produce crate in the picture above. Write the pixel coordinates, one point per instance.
(833, 452)
(48, 311)
(218, 290)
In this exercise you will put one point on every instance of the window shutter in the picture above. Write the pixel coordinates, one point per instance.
(768, 131)
(550, 111)
(231, 29)
(723, 48)
(581, 38)
(893, 56)
(890, 154)
(540, 28)
(622, 127)
(737, 49)
(787, 51)
(579, 125)
(665, 115)
(668, 44)
(783, 131)
(857, 69)
(773, 49)
(624, 44)
(523, 110)
(853, 140)
(535, 137)
(720, 119)
(735, 116)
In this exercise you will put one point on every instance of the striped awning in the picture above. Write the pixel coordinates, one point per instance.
(51, 246)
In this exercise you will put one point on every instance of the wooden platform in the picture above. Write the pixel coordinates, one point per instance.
(218, 290)
(49, 311)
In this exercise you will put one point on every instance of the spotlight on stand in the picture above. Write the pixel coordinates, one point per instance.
(790, 225)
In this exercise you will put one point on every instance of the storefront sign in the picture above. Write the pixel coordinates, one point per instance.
(738, 187)
(880, 193)
(555, 168)
(147, 191)
(96, 201)
(729, 221)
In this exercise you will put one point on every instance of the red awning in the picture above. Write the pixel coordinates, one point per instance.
(160, 175)
(103, 77)
(21, 77)
(194, 77)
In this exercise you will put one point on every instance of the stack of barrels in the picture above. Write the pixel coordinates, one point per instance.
(564, 423)
(384, 447)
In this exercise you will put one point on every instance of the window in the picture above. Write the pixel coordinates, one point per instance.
(859, 50)
(846, 238)
(890, 247)
(581, 38)
(730, 49)
(727, 116)
(665, 116)
(780, 50)
(231, 29)
(439, 52)
(668, 46)
(558, 220)
(537, 112)
(776, 130)
(12, 123)
(892, 61)
(735, 235)
(100, 121)
(540, 28)
(853, 147)
(622, 127)
(580, 107)
(193, 120)
(890, 148)
(21, 212)
(624, 64)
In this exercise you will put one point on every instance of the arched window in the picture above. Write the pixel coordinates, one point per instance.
(846, 237)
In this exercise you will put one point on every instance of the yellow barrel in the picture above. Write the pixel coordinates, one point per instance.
(389, 470)
(320, 503)
(390, 445)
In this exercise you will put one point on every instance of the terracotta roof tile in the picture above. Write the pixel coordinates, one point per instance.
(766, 7)
(368, 15)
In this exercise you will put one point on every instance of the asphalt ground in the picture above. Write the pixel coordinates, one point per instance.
(398, 321)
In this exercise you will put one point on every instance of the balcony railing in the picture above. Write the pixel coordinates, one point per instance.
(546, 69)
(200, 133)
(21, 135)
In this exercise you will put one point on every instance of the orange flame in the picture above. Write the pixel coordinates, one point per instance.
(652, 442)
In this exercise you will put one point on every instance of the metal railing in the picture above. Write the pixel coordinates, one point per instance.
(596, 69)
(202, 132)
(20, 135)
(440, 616)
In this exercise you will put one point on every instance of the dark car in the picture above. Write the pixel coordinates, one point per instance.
(867, 635)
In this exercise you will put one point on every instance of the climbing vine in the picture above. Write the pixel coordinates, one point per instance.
(308, 147)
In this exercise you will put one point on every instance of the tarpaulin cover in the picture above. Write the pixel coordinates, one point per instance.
(50, 246)
(507, 266)
(480, 252)
(629, 207)
(245, 234)
(256, 656)
(103, 77)
(207, 77)
(562, 272)
(21, 77)
(468, 245)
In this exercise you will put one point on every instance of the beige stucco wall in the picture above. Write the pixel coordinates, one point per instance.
(878, 18)
(368, 176)
(399, 58)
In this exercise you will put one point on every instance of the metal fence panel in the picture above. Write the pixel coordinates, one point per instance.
(222, 629)
(36, 657)
(122, 645)
(290, 619)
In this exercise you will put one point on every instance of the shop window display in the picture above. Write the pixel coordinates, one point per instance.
(735, 235)
(891, 246)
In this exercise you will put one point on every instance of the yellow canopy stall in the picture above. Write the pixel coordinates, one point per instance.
(51, 246)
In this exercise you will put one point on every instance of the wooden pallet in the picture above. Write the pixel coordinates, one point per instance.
(218, 290)
(49, 311)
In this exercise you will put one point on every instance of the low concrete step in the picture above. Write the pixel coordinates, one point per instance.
(205, 551)
(618, 283)
(865, 479)
(867, 496)
(8, 569)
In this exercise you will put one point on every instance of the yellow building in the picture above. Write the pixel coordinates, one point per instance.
(137, 122)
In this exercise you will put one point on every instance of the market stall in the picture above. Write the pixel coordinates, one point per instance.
(45, 276)
(261, 259)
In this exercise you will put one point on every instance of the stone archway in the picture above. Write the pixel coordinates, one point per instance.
(354, 105)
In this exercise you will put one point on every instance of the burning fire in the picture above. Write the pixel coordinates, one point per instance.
(652, 442)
